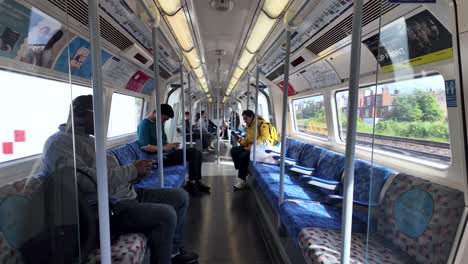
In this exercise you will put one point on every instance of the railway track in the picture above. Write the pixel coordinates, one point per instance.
(429, 150)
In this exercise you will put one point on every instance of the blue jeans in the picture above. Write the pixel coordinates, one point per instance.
(160, 214)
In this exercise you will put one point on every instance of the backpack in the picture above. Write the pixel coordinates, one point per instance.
(274, 137)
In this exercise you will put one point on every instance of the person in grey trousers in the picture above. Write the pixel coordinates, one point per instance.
(159, 213)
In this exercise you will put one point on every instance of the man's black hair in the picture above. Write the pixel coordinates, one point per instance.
(248, 113)
(187, 113)
(167, 110)
(82, 104)
(203, 112)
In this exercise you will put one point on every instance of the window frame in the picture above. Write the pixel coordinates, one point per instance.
(120, 92)
(425, 162)
(294, 121)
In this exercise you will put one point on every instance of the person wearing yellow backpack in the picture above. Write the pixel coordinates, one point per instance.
(266, 134)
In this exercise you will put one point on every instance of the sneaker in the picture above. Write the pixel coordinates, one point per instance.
(203, 187)
(185, 257)
(192, 188)
(205, 151)
(241, 184)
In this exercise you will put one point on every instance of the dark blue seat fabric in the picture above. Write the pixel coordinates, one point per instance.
(174, 177)
(125, 154)
(297, 214)
(310, 156)
(267, 178)
(368, 181)
(329, 167)
(294, 148)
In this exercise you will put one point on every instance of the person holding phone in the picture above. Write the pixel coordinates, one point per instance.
(174, 155)
(241, 154)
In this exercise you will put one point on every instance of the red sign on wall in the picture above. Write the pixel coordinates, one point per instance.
(291, 90)
(20, 135)
(7, 147)
(137, 81)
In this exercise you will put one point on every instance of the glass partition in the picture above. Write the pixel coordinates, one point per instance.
(44, 65)
(411, 202)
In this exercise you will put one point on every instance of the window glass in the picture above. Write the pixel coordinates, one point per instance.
(310, 117)
(125, 115)
(410, 118)
(28, 117)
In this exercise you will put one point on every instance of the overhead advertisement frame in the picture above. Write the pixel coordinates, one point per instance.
(406, 43)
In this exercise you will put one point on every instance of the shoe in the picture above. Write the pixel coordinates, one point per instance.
(203, 187)
(192, 188)
(241, 184)
(205, 151)
(210, 147)
(185, 257)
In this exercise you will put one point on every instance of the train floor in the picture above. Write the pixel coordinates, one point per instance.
(221, 226)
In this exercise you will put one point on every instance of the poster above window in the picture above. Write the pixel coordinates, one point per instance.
(418, 40)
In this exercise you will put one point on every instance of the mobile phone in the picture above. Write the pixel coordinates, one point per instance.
(236, 137)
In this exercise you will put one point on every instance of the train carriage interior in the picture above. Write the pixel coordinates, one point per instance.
(233, 131)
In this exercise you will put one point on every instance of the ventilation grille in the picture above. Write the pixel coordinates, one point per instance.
(222, 6)
(275, 74)
(78, 10)
(162, 72)
(371, 11)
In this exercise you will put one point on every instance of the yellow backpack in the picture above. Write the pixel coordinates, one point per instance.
(274, 137)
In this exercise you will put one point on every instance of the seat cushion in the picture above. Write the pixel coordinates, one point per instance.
(298, 214)
(267, 178)
(174, 177)
(128, 249)
(323, 246)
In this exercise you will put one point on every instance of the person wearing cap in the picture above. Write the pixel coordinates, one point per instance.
(160, 213)
(174, 156)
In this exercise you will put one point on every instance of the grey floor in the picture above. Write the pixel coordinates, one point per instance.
(221, 226)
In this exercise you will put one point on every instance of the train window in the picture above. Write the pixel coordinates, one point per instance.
(125, 115)
(310, 117)
(406, 117)
(32, 109)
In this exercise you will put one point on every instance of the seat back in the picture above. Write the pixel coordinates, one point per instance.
(294, 148)
(330, 167)
(124, 154)
(420, 217)
(310, 156)
(368, 181)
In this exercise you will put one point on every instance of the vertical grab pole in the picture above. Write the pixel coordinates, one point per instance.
(190, 108)
(348, 184)
(257, 76)
(248, 88)
(157, 98)
(218, 128)
(285, 110)
(182, 102)
(100, 134)
(200, 122)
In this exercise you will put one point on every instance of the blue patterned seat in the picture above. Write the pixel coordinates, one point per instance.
(267, 178)
(417, 223)
(174, 177)
(299, 214)
(124, 154)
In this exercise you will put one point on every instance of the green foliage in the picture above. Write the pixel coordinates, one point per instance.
(436, 131)
(419, 106)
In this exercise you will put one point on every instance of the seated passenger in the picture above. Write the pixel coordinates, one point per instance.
(207, 137)
(159, 213)
(241, 154)
(174, 156)
(207, 124)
